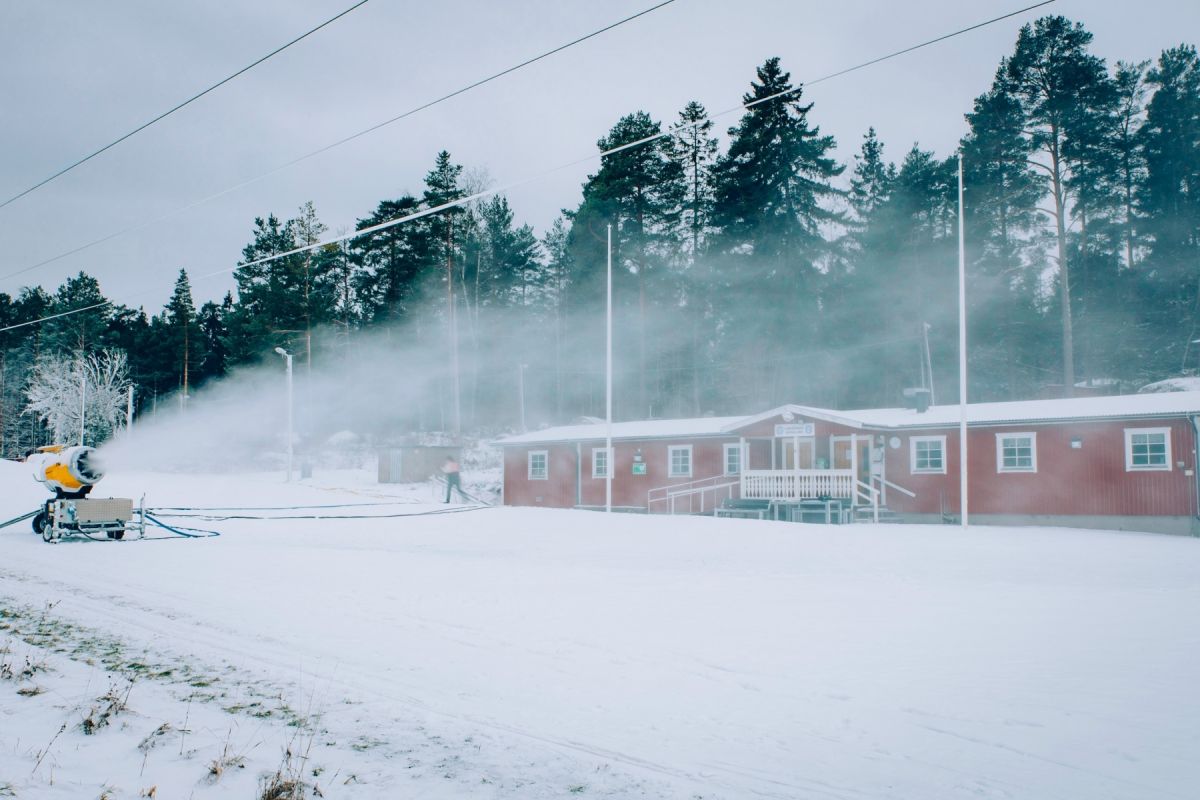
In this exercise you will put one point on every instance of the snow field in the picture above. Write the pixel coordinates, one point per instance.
(640, 656)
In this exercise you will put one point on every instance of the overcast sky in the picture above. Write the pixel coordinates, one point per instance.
(78, 74)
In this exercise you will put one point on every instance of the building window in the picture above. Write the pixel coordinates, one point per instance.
(733, 459)
(599, 462)
(927, 454)
(1016, 452)
(680, 459)
(539, 465)
(1147, 449)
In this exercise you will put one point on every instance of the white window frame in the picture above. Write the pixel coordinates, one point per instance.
(671, 451)
(1131, 467)
(604, 451)
(1031, 436)
(545, 454)
(912, 455)
(725, 451)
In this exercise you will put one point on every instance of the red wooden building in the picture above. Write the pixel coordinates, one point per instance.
(1123, 462)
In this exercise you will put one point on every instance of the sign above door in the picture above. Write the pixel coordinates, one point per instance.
(795, 429)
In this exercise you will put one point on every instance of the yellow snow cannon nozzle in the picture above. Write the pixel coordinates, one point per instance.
(66, 470)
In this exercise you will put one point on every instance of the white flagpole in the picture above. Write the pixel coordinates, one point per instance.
(608, 386)
(962, 350)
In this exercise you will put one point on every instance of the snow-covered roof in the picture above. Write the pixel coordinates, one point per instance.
(643, 429)
(1162, 404)
(1022, 411)
(1172, 385)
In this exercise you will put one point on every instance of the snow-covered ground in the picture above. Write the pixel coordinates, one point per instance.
(535, 653)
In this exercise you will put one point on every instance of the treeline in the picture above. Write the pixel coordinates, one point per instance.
(744, 276)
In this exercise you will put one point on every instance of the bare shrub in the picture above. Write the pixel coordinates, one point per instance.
(112, 703)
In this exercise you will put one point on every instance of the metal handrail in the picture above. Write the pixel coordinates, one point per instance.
(872, 496)
(673, 492)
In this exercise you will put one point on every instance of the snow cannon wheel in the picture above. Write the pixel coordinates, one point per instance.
(48, 534)
(116, 534)
(40, 521)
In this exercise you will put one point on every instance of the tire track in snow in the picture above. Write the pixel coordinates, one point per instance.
(102, 608)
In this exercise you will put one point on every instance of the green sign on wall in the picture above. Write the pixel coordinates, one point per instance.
(639, 468)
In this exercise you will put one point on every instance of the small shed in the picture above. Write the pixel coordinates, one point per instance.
(413, 462)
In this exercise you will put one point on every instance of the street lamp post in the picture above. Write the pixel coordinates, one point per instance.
(287, 357)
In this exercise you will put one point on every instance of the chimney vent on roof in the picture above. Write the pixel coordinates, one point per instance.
(917, 398)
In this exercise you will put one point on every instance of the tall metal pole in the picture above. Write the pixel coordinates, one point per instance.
(287, 357)
(608, 387)
(82, 399)
(928, 363)
(962, 350)
(129, 409)
(521, 392)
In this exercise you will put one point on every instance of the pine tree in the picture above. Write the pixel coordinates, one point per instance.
(213, 333)
(639, 191)
(185, 342)
(442, 187)
(1170, 198)
(774, 196)
(79, 331)
(270, 307)
(316, 304)
(1001, 196)
(389, 263)
(1130, 85)
(1055, 79)
(871, 183)
(696, 151)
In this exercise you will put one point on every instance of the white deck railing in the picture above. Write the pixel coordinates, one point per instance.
(775, 484)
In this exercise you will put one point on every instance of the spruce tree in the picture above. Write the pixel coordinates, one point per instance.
(871, 183)
(774, 197)
(388, 263)
(79, 331)
(1001, 199)
(184, 337)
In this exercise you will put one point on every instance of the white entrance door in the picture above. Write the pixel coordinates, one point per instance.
(790, 451)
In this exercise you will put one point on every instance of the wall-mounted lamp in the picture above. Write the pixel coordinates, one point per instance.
(637, 457)
(1076, 443)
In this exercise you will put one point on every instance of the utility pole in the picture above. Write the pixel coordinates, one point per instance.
(962, 350)
(456, 419)
(521, 392)
(928, 363)
(608, 387)
(287, 357)
(82, 399)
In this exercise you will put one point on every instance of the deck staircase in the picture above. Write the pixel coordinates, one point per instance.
(867, 514)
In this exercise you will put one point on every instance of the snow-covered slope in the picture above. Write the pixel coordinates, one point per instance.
(555, 653)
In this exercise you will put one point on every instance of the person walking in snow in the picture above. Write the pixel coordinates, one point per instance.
(453, 479)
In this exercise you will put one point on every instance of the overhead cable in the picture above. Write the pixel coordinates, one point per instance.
(514, 184)
(328, 147)
(187, 102)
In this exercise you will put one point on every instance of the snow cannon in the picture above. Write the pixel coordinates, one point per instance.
(69, 472)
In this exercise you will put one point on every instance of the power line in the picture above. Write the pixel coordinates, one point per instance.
(328, 147)
(514, 184)
(190, 100)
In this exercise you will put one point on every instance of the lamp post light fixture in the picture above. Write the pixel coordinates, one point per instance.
(287, 357)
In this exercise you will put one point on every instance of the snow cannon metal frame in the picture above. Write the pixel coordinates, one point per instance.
(71, 473)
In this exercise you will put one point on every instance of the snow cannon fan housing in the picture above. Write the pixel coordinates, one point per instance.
(67, 471)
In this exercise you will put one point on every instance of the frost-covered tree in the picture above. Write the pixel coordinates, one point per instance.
(62, 387)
